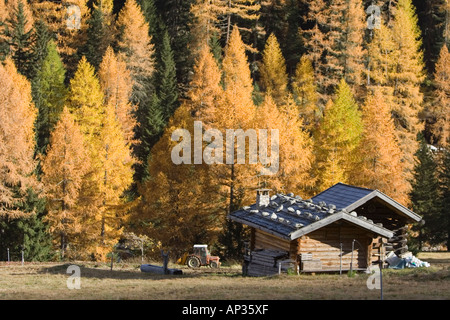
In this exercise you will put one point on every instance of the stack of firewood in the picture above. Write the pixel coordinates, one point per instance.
(265, 262)
(398, 243)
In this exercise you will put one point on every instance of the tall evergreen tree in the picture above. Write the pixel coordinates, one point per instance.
(18, 37)
(433, 18)
(100, 32)
(273, 17)
(177, 19)
(152, 17)
(29, 234)
(166, 81)
(424, 196)
(42, 36)
(49, 95)
(152, 121)
(292, 45)
(444, 190)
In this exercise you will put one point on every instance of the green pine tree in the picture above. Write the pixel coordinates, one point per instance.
(293, 46)
(177, 17)
(49, 95)
(29, 234)
(166, 80)
(152, 17)
(18, 41)
(154, 115)
(99, 36)
(152, 123)
(42, 36)
(425, 196)
(444, 191)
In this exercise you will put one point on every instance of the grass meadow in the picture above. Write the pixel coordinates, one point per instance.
(48, 281)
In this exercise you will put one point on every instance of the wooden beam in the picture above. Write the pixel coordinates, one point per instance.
(341, 216)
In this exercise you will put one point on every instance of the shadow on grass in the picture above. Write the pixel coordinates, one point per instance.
(130, 273)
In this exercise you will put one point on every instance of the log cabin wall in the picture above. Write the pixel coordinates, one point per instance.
(325, 245)
(264, 240)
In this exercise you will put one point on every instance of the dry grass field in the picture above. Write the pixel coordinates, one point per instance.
(48, 281)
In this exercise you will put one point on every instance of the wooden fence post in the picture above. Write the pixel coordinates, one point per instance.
(165, 261)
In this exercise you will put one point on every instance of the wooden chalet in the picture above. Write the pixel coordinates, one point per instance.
(343, 228)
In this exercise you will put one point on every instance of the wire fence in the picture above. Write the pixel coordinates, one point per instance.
(13, 256)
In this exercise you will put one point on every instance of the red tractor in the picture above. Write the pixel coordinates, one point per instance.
(202, 257)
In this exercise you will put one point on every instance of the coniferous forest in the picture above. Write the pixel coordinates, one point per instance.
(91, 92)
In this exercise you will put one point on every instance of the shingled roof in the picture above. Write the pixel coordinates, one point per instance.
(289, 217)
(349, 197)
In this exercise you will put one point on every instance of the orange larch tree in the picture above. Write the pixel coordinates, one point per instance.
(136, 48)
(117, 85)
(236, 112)
(274, 78)
(110, 159)
(180, 202)
(295, 147)
(305, 93)
(337, 138)
(379, 164)
(64, 167)
(441, 101)
(17, 142)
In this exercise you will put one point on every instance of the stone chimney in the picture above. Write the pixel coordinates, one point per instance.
(262, 198)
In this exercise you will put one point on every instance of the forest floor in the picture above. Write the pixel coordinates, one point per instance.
(48, 281)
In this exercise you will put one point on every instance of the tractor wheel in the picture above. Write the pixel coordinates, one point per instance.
(214, 264)
(193, 262)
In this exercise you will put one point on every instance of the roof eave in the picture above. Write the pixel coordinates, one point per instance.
(344, 216)
(254, 225)
(397, 206)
